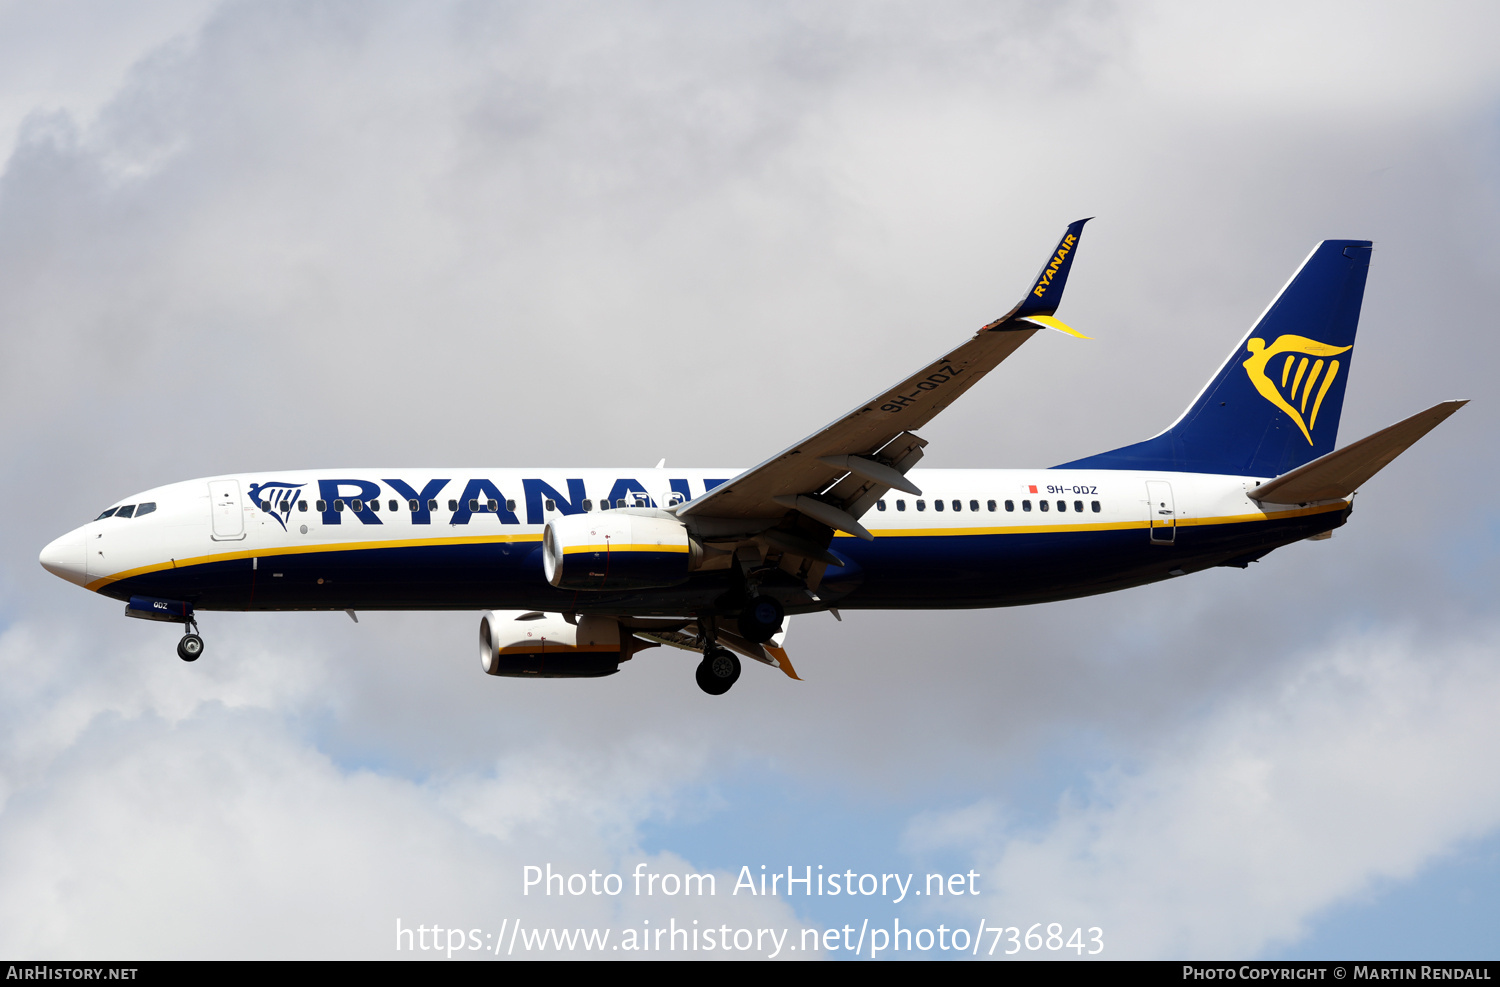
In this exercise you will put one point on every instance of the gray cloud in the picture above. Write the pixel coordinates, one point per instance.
(541, 235)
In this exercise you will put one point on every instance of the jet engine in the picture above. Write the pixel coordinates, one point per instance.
(617, 550)
(519, 643)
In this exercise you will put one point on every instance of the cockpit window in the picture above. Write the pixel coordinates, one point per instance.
(145, 508)
(105, 514)
(125, 511)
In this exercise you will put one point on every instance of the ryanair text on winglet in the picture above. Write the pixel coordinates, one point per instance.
(1051, 271)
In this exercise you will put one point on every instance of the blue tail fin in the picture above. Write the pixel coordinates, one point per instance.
(1275, 403)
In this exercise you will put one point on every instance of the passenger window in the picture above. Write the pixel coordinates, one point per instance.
(937, 505)
(302, 505)
(105, 514)
(432, 505)
(900, 505)
(1062, 506)
(1095, 505)
(921, 505)
(453, 505)
(1026, 505)
(958, 505)
(1010, 505)
(974, 506)
(125, 511)
(393, 505)
(262, 504)
(473, 505)
(338, 505)
(1078, 506)
(322, 505)
(510, 506)
(550, 505)
(588, 505)
(620, 502)
(493, 506)
(358, 505)
(374, 505)
(880, 505)
(413, 505)
(1044, 505)
(145, 508)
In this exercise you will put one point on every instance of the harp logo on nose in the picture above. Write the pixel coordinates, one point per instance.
(1290, 383)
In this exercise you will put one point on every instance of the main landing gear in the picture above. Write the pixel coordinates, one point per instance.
(719, 669)
(760, 619)
(191, 645)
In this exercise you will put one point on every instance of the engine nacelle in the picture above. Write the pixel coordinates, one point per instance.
(521, 643)
(613, 550)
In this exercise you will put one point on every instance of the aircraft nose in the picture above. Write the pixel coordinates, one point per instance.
(65, 557)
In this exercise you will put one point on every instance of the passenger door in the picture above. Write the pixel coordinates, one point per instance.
(226, 509)
(1162, 512)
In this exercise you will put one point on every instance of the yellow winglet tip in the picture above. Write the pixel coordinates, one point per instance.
(783, 661)
(1052, 322)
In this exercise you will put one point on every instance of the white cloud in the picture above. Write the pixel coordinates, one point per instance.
(184, 818)
(1364, 763)
(521, 234)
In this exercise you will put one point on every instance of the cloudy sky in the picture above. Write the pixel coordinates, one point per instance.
(245, 236)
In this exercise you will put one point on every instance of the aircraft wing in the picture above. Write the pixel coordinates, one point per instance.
(834, 475)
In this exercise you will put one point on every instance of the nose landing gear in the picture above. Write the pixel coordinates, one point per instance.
(191, 645)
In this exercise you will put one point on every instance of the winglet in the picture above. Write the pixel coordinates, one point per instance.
(1046, 292)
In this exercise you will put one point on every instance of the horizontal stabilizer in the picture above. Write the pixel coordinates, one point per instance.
(1341, 472)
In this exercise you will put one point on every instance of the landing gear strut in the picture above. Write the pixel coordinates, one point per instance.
(191, 645)
(719, 669)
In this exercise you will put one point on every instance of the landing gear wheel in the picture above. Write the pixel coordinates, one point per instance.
(190, 647)
(760, 619)
(718, 670)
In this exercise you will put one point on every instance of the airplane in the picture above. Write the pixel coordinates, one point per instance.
(592, 566)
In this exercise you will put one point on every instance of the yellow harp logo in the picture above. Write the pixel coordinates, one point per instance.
(1293, 399)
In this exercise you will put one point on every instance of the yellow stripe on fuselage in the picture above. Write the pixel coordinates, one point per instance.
(1034, 529)
(611, 547)
(274, 551)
